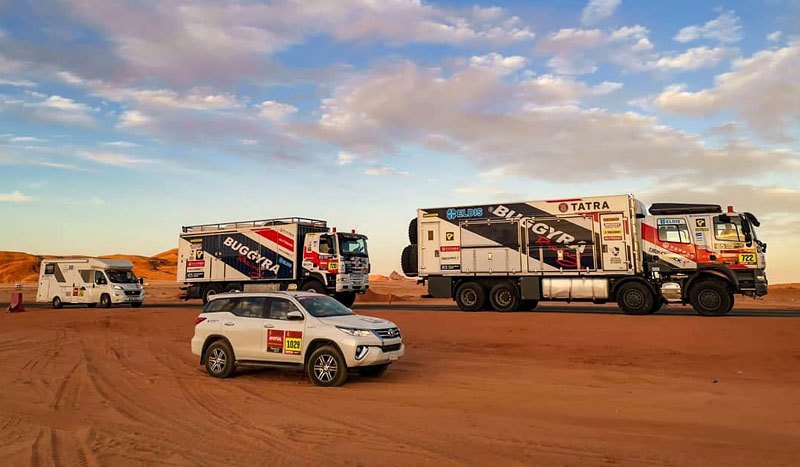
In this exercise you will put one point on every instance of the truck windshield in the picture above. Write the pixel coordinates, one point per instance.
(121, 276)
(728, 228)
(323, 307)
(352, 246)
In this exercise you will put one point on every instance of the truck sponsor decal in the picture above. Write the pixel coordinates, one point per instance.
(280, 238)
(447, 249)
(463, 213)
(293, 342)
(195, 264)
(275, 341)
(451, 267)
(244, 254)
(585, 206)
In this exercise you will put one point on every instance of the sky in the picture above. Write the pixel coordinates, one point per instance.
(121, 121)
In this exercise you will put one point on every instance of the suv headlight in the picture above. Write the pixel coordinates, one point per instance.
(355, 332)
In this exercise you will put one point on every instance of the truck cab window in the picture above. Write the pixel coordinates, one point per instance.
(324, 245)
(728, 231)
(674, 233)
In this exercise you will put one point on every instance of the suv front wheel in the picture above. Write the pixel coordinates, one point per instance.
(327, 367)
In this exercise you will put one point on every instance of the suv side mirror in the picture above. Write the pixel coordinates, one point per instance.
(294, 315)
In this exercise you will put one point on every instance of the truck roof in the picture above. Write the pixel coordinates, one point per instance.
(256, 223)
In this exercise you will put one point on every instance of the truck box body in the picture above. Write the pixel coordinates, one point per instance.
(590, 236)
(243, 252)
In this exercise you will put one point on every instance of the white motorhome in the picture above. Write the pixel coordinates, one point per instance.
(89, 281)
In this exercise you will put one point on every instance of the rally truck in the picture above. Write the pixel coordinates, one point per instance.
(272, 254)
(510, 256)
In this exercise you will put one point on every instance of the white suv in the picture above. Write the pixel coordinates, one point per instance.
(293, 330)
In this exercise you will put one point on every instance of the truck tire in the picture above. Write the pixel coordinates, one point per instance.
(471, 296)
(313, 286)
(635, 298)
(710, 297)
(326, 367)
(220, 360)
(409, 260)
(231, 288)
(345, 298)
(209, 290)
(413, 231)
(105, 301)
(528, 305)
(57, 303)
(504, 297)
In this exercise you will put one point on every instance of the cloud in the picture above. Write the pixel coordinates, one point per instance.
(275, 111)
(724, 29)
(498, 63)
(598, 10)
(25, 139)
(763, 90)
(18, 83)
(482, 191)
(695, 59)
(580, 51)
(114, 159)
(133, 118)
(14, 197)
(120, 144)
(346, 158)
(774, 36)
(48, 109)
(377, 171)
(543, 134)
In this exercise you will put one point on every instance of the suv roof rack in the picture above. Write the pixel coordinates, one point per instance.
(257, 223)
(684, 208)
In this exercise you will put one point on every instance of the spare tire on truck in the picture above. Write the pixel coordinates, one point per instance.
(408, 260)
(413, 231)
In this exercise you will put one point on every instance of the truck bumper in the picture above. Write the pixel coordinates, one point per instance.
(347, 283)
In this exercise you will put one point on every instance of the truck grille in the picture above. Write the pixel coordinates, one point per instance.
(391, 348)
(388, 333)
(356, 264)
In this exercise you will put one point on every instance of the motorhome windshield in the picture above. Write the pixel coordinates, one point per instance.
(352, 246)
(121, 276)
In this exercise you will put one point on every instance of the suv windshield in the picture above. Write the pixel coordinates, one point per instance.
(121, 276)
(352, 246)
(324, 307)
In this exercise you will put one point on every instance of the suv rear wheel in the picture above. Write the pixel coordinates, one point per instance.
(327, 367)
(220, 361)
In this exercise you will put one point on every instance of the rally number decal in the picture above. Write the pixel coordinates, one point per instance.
(293, 343)
(747, 258)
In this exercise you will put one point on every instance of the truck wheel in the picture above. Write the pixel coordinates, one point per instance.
(471, 297)
(313, 286)
(657, 304)
(504, 297)
(231, 288)
(413, 231)
(710, 298)
(210, 290)
(635, 298)
(409, 260)
(528, 305)
(220, 361)
(326, 367)
(105, 300)
(57, 304)
(732, 302)
(373, 371)
(346, 298)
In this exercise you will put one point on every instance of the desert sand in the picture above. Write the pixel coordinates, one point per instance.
(565, 385)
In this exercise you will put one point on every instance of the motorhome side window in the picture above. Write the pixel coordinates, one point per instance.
(49, 268)
(86, 276)
(99, 278)
(673, 233)
(730, 231)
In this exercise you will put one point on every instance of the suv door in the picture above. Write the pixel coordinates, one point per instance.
(284, 337)
(244, 327)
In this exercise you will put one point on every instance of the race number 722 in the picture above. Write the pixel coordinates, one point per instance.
(747, 258)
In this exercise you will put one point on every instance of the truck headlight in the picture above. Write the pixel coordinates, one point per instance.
(355, 332)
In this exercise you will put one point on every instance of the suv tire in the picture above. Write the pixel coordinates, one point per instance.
(635, 298)
(326, 367)
(373, 371)
(471, 297)
(504, 297)
(220, 361)
(710, 297)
